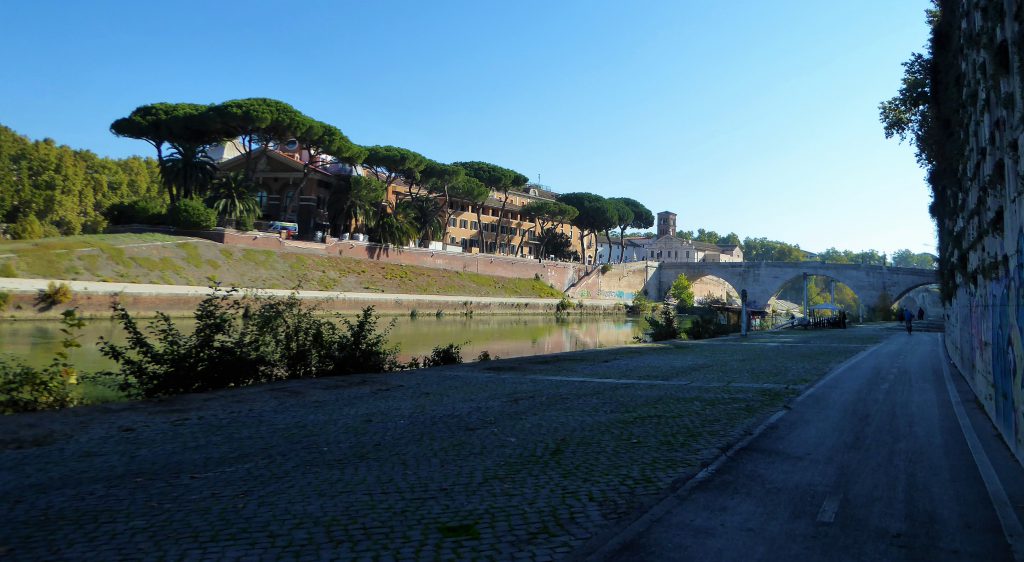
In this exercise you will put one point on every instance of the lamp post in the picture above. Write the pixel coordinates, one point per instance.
(743, 313)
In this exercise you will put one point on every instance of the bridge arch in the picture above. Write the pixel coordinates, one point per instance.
(871, 283)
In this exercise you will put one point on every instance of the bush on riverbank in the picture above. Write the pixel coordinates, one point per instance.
(28, 389)
(243, 341)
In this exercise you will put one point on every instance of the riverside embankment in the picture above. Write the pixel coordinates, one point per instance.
(527, 458)
(93, 299)
(150, 272)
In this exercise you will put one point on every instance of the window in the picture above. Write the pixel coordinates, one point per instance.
(687, 255)
(451, 240)
(261, 198)
(463, 223)
(514, 253)
(451, 221)
(287, 204)
(474, 225)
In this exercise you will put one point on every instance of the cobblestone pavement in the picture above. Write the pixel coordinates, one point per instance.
(517, 459)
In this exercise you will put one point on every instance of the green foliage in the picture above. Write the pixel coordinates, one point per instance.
(640, 217)
(493, 176)
(425, 212)
(5, 299)
(596, 214)
(396, 228)
(55, 294)
(7, 269)
(907, 258)
(26, 227)
(231, 198)
(554, 243)
(391, 163)
(138, 211)
(663, 326)
(486, 356)
(606, 268)
(564, 305)
(702, 327)
(237, 342)
(356, 202)
(66, 190)
(641, 305)
(27, 389)
(682, 291)
(191, 214)
(245, 224)
(450, 354)
(762, 249)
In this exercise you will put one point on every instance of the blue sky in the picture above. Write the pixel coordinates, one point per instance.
(747, 116)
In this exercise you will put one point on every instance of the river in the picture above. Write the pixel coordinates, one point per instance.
(35, 341)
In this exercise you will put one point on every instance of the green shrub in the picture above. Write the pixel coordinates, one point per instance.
(485, 356)
(94, 225)
(191, 214)
(55, 294)
(27, 227)
(7, 269)
(27, 389)
(564, 304)
(238, 342)
(5, 299)
(450, 354)
(606, 268)
(641, 305)
(663, 326)
(139, 211)
(245, 223)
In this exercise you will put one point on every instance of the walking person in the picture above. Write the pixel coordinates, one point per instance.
(908, 318)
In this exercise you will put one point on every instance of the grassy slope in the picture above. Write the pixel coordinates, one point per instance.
(171, 260)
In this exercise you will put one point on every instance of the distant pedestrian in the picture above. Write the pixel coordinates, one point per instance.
(920, 313)
(908, 318)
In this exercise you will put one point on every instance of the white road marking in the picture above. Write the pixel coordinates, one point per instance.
(827, 513)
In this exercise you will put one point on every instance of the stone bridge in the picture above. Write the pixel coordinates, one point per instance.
(764, 280)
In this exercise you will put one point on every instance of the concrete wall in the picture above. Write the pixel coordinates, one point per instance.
(622, 282)
(983, 237)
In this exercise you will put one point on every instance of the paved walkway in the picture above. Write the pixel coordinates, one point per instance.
(10, 284)
(517, 459)
(874, 464)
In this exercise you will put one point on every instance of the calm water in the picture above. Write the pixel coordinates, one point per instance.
(35, 341)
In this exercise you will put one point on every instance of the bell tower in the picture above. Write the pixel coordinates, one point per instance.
(666, 224)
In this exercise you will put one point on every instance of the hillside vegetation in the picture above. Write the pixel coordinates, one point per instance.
(172, 260)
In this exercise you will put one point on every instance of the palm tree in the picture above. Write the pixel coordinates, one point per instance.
(395, 226)
(189, 169)
(232, 198)
(426, 213)
(357, 204)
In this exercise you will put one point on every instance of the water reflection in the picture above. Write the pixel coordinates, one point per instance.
(506, 336)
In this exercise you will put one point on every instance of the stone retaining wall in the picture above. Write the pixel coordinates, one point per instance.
(560, 275)
(984, 239)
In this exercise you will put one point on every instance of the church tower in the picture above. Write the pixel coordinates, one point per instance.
(666, 224)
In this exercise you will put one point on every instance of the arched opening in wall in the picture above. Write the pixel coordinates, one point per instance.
(827, 297)
(710, 290)
(923, 301)
(716, 308)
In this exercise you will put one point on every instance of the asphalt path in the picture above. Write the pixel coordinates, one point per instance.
(872, 464)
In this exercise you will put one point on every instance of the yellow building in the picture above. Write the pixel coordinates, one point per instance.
(516, 235)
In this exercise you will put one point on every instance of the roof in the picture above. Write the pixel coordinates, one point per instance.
(272, 155)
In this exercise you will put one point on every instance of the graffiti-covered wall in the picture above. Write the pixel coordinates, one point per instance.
(977, 96)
